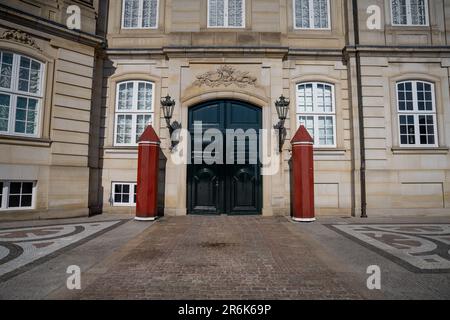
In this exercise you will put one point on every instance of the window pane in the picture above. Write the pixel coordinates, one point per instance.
(424, 96)
(235, 13)
(145, 96)
(6, 62)
(124, 128)
(405, 96)
(320, 14)
(418, 12)
(26, 116)
(15, 187)
(125, 100)
(326, 130)
(27, 187)
(426, 129)
(150, 13)
(5, 107)
(25, 201)
(305, 98)
(302, 14)
(142, 121)
(308, 123)
(399, 12)
(216, 13)
(131, 14)
(324, 102)
(407, 129)
(14, 201)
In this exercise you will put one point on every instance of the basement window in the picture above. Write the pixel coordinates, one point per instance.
(124, 194)
(17, 195)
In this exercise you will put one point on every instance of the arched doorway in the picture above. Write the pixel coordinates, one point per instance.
(231, 187)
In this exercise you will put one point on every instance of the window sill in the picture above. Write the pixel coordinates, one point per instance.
(131, 149)
(25, 141)
(418, 150)
(329, 151)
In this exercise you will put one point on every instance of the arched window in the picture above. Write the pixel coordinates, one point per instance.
(417, 113)
(226, 13)
(134, 111)
(409, 12)
(21, 94)
(311, 14)
(316, 111)
(140, 14)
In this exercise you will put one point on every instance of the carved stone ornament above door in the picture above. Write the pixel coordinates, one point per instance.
(21, 37)
(225, 76)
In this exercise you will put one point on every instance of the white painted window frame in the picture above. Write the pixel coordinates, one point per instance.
(14, 93)
(134, 112)
(140, 16)
(311, 17)
(133, 189)
(4, 205)
(409, 16)
(225, 18)
(316, 114)
(416, 113)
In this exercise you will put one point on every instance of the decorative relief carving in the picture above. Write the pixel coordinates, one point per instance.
(225, 76)
(21, 37)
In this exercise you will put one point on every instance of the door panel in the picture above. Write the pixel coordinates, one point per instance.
(226, 188)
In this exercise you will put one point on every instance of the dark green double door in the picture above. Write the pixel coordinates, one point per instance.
(225, 188)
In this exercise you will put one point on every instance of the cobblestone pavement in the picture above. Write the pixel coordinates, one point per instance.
(222, 257)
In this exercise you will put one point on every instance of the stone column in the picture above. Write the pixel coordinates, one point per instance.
(303, 176)
(147, 179)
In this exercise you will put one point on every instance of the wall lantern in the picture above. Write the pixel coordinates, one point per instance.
(167, 106)
(282, 105)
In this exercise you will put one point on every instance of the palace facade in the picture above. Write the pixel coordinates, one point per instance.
(369, 79)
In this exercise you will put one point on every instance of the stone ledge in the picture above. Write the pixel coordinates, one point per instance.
(439, 150)
(25, 141)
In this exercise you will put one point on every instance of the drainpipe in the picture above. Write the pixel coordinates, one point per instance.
(362, 142)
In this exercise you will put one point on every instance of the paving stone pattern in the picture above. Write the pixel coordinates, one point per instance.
(201, 257)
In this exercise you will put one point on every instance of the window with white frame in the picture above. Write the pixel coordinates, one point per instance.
(316, 111)
(134, 111)
(417, 114)
(20, 94)
(140, 14)
(409, 12)
(124, 194)
(226, 13)
(311, 14)
(16, 195)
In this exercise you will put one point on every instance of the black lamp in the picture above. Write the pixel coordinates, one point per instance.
(282, 106)
(167, 106)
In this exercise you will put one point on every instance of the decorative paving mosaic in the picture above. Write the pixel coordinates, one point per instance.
(417, 247)
(22, 248)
